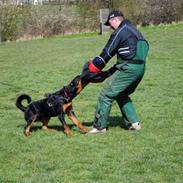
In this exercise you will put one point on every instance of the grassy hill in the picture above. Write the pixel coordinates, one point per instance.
(153, 154)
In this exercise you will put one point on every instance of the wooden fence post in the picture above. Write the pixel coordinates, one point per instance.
(103, 17)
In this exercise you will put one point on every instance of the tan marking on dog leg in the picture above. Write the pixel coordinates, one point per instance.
(45, 122)
(67, 131)
(28, 127)
(73, 117)
(65, 106)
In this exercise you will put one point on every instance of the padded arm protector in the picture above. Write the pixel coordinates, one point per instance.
(97, 64)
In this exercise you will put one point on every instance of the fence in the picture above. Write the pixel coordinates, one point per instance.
(103, 17)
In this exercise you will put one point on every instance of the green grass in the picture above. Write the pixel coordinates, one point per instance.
(155, 154)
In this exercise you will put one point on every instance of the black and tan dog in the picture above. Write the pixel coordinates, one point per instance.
(58, 103)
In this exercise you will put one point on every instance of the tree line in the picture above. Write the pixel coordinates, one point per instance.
(68, 17)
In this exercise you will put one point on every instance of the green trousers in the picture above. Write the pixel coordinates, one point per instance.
(119, 86)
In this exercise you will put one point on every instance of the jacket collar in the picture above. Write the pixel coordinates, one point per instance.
(125, 21)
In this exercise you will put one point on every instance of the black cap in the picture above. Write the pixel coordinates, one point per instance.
(112, 15)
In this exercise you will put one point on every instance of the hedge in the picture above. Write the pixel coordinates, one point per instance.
(28, 21)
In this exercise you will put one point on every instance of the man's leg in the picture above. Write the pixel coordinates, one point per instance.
(102, 111)
(126, 106)
(104, 103)
(120, 83)
(128, 111)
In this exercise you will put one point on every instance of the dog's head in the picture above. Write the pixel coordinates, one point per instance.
(67, 93)
(75, 86)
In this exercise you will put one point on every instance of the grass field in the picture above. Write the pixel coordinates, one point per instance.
(154, 154)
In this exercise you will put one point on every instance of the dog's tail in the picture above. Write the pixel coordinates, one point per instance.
(20, 99)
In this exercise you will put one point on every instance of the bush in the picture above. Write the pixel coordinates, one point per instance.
(10, 23)
(14, 21)
(156, 12)
(147, 12)
(32, 21)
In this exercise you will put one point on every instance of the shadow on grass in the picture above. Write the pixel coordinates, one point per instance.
(58, 128)
(52, 127)
(114, 121)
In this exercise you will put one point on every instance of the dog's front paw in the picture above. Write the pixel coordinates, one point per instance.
(27, 133)
(68, 132)
(85, 130)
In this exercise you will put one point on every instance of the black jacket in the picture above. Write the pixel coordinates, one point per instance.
(123, 42)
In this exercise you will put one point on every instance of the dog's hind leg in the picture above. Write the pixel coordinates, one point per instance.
(67, 129)
(29, 124)
(75, 120)
(45, 122)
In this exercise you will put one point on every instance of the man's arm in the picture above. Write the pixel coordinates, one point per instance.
(110, 49)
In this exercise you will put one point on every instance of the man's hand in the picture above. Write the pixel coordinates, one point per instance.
(93, 68)
(112, 70)
(97, 64)
(96, 77)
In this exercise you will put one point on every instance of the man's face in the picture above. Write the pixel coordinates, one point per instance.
(114, 23)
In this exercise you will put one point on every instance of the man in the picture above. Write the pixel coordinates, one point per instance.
(131, 49)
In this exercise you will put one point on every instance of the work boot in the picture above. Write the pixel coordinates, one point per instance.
(95, 131)
(135, 126)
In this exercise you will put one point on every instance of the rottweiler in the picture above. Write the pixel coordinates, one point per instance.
(59, 103)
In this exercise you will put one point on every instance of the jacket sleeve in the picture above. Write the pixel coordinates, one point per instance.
(111, 47)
